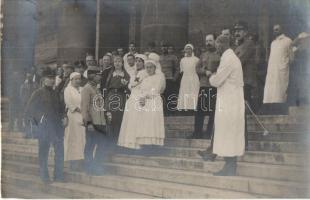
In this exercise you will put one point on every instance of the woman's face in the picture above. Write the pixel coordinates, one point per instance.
(139, 63)
(118, 64)
(150, 68)
(76, 81)
(188, 51)
(106, 61)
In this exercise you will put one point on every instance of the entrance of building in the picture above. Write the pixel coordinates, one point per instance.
(114, 25)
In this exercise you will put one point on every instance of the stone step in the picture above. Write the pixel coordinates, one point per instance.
(277, 119)
(12, 191)
(253, 135)
(289, 147)
(275, 172)
(302, 111)
(254, 186)
(274, 146)
(285, 136)
(182, 152)
(266, 171)
(160, 189)
(69, 189)
(26, 158)
(249, 156)
(271, 127)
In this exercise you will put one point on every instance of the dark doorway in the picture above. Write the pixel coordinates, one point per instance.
(114, 25)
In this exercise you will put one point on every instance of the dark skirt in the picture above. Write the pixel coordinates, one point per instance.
(115, 103)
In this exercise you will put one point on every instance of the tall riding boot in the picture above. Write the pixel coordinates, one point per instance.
(229, 168)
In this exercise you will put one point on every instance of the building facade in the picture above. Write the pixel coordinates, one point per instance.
(51, 32)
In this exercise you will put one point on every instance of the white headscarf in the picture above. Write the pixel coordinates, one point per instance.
(190, 46)
(155, 61)
(69, 86)
(141, 56)
(154, 57)
(74, 74)
(151, 61)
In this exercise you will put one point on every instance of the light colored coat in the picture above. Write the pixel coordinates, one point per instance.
(74, 140)
(92, 105)
(229, 114)
(278, 71)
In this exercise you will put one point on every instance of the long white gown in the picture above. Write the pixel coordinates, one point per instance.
(229, 122)
(144, 125)
(189, 89)
(277, 78)
(74, 139)
(131, 117)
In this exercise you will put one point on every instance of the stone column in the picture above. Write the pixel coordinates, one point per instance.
(76, 30)
(163, 20)
(264, 27)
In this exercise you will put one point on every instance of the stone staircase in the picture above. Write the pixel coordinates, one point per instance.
(275, 166)
(5, 113)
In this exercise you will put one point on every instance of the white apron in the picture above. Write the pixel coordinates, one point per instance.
(143, 125)
(189, 88)
(278, 71)
(74, 139)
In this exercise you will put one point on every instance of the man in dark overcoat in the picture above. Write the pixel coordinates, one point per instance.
(44, 110)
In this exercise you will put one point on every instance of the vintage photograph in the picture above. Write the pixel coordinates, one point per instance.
(164, 99)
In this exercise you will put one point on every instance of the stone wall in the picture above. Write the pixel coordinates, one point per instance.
(76, 30)
(46, 38)
(212, 15)
(18, 41)
(114, 25)
(164, 21)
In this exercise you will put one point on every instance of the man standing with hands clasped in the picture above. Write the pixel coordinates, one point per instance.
(207, 65)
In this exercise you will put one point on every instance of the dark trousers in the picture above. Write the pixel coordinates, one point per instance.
(94, 141)
(205, 106)
(170, 99)
(44, 147)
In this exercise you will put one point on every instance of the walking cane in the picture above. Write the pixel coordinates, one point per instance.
(266, 132)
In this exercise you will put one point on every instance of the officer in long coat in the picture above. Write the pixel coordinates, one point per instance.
(245, 50)
(44, 110)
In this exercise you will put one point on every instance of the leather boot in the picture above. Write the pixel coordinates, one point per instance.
(229, 168)
(207, 155)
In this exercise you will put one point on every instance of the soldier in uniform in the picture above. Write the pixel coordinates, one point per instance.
(207, 65)
(245, 50)
(44, 109)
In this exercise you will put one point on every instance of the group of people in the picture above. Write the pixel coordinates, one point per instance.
(85, 109)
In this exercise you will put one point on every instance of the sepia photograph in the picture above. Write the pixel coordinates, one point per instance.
(164, 99)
